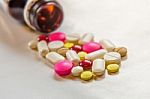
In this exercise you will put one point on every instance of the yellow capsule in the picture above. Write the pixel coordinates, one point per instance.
(82, 55)
(113, 68)
(68, 45)
(86, 75)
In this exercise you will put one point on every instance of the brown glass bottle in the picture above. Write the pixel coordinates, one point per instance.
(42, 15)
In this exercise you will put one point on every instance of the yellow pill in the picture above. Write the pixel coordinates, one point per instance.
(82, 55)
(86, 75)
(113, 68)
(68, 45)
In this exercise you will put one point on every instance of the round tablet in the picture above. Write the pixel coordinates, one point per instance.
(82, 55)
(63, 68)
(68, 45)
(55, 45)
(77, 70)
(57, 36)
(86, 75)
(113, 68)
(91, 47)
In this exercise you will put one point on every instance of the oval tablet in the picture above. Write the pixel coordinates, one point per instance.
(55, 45)
(77, 70)
(86, 38)
(63, 68)
(86, 75)
(113, 68)
(112, 58)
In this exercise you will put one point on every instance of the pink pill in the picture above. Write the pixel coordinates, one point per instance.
(91, 47)
(63, 68)
(57, 36)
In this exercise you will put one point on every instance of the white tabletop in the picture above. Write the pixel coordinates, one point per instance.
(125, 22)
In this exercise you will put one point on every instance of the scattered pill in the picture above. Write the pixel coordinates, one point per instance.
(82, 55)
(54, 57)
(62, 51)
(68, 45)
(98, 67)
(121, 50)
(73, 56)
(96, 54)
(86, 64)
(73, 38)
(77, 48)
(57, 36)
(113, 68)
(91, 47)
(112, 58)
(108, 45)
(63, 68)
(33, 44)
(77, 70)
(42, 48)
(86, 75)
(55, 45)
(86, 38)
(43, 37)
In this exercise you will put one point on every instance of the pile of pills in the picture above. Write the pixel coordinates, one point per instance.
(77, 56)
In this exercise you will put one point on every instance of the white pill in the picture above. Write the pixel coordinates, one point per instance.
(33, 44)
(55, 45)
(42, 48)
(76, 71)
(73, 56)
(54, 57)
(112, 58)
(98, 67)
(96, 54)
(108, 45)
(73, 38)
(88, 37)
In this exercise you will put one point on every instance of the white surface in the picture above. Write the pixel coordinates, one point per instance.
(126, 22)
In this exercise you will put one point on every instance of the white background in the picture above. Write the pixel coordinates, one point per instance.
(125, 22)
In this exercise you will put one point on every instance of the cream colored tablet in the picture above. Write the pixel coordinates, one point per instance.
(96, 54)
(33, 44)
(88, 37)
(55, 45)
(42, 48)
(77, 70)
(72, 37)
(98, 67)
(73, 56)
(54, 57)
(112, 58)
(107, 44)
(62, 51)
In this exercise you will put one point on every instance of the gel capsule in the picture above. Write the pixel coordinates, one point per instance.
(91, 47)
(63, 68)
(86, 64)
(54, 57)
(88, 37)
(108, 45)
(73, 56)
(42, 48)
(96, 54)
(98, 67)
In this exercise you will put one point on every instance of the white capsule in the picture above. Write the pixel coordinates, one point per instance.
(88, 37)
(42, 48)
(33, 44)
(73, 56)
(54, 57)
(96, 54)
(76, 71)
(73, 38)
(112, 58)
(98, 67)
(55, 45)
(108, 45)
